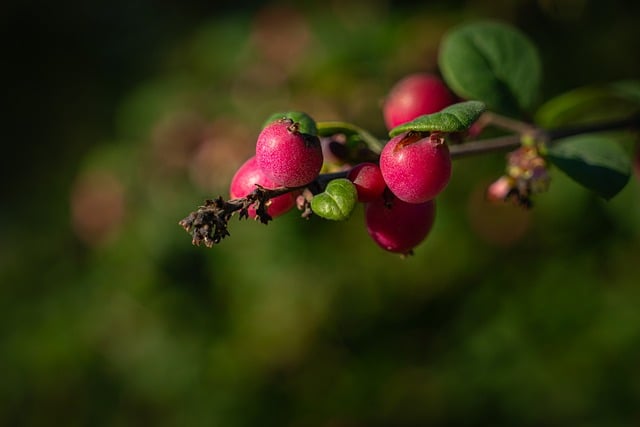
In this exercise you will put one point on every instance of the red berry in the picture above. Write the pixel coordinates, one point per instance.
(413, 96)
(416, 168)
(368, 181)
(288, 157)
(397, 226)
(244, 182)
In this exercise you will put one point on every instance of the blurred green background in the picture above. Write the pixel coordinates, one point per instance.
(124, 116)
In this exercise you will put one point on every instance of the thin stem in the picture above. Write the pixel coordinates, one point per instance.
(509, 142)
(489, 118)
(484, 146)
(324, 178)
(332, 127)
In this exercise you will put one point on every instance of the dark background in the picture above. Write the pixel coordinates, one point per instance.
(123, 116)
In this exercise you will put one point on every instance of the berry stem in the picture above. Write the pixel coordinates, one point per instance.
(333, 127)
(489, 118)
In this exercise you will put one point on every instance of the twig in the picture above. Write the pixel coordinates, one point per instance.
(209, 223)
(510, 142)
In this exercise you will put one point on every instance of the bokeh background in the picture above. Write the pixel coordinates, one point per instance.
(125, 115)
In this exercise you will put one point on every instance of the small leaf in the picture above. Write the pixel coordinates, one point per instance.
(337, 201)
(597, 162)
(455, 118)
(306, 123)
(591, 103)
(494, 63)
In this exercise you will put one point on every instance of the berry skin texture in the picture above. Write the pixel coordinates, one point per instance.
(368, 181)
(286, 156)
(397, 226)
(416, 168)
(415, 95)
(244, 182)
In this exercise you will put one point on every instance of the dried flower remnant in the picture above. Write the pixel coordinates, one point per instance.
(526, 175)
(208, 225)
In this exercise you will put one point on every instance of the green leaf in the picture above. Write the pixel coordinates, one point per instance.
(455, 118)
(306, 123)
(627, 89)
(337, 201)
(597, 162)
(494, 63)
(590, 104)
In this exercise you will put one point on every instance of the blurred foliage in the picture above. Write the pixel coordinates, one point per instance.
(134, 113)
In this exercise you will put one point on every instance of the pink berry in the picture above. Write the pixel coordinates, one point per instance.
(416, 168)
(397, 226)
(475, 130)
(499, 190)
(288, 157)
(413, 96)
(368, 181)
(244, 182)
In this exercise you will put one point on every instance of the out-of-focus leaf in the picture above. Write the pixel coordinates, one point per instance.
(628, 89)
(597, 162)
(329, 128)
(494, 63)
(591, 103)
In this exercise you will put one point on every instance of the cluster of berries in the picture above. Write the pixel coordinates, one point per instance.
(398, 191)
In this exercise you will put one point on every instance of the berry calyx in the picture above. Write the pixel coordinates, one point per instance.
(413, 96)
(415, 167)
(287, 156)
(397, 226)
(244, 182)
